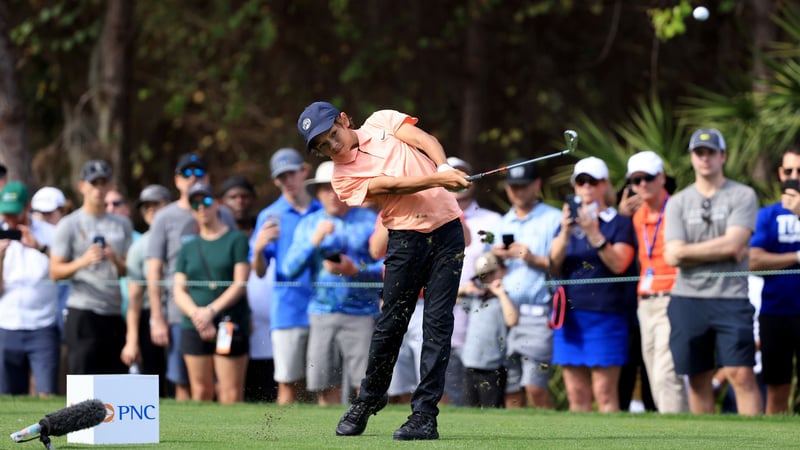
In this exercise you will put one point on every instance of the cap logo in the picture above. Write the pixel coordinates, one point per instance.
(10, 197)
(705, 137)
(306, 124)
(516, 172)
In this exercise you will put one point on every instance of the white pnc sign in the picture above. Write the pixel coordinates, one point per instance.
(132, 412)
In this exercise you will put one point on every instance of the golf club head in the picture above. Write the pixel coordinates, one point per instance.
(571, 139)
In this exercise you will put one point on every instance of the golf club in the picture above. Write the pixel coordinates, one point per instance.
(571, 139)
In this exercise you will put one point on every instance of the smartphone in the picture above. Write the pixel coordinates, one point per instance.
(336, 257)
(100, 240)
(12, 234)
(630, 191)
(792, 183)
(574, 202)
(508, 239)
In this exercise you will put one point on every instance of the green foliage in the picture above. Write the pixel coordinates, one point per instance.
(670, 22)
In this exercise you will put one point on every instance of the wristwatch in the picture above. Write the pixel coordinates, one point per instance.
(601, 245)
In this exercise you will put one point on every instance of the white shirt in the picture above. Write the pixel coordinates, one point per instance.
(29, 299)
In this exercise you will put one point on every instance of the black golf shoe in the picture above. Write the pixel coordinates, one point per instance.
(418, 427)
(354, 421)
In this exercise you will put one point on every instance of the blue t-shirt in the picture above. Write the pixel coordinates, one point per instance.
(350, 237)
(583, 262)
(778, 231)
(524, 284)
(289, 303)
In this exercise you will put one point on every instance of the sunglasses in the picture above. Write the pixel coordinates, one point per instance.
(205, 202)
(584, 179)
(635, 181)
(789, 170)
(114, 203)
(706, 215)
(196, 171)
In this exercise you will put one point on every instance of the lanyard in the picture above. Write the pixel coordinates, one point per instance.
(651, 245)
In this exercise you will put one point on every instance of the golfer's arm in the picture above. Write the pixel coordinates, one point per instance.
(403, 185)
(422, 140)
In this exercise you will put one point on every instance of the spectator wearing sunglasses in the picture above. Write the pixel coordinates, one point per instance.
(708, 228)
(592, 345)
(775, 245)
(215, 325)
(169, 228)
(648, 183)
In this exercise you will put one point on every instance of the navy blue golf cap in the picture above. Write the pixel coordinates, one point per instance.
(316, 119)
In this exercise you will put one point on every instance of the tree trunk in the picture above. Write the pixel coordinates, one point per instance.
(112, 103)
(13, 141)
(475, 70)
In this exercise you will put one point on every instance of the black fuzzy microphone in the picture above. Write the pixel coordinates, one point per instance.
(86, 414)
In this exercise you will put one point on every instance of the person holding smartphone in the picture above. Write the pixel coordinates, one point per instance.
(333, 243)
(592, 345)
(523, 236)
(775, 245)
(29, 334)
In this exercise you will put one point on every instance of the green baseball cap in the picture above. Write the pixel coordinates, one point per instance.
(13, 198)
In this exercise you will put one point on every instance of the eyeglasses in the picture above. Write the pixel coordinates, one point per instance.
(583, 179)
(635, 181)
(205, 202)
(789, 170)
(706, 215)
(196, 171)
(114, 203)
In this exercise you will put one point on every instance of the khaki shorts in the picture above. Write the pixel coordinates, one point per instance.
(289, 354)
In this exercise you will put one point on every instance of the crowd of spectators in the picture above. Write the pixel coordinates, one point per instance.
(226, 303)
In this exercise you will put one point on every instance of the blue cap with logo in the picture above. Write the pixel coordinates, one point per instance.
(285, 160)
(709, 138)
(316, 119)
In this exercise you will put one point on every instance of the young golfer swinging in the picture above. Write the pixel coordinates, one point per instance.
(403, 169)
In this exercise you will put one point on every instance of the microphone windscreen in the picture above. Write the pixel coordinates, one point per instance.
(85, 414)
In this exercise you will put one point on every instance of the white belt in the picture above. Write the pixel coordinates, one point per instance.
(533, 310)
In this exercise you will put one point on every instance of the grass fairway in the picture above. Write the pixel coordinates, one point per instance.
(251, 426)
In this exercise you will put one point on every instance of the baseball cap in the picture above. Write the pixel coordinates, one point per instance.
(524, 174)
(236, 181)
(285, 160)
(95, 169)
(592, 166)
(201, 188)
(48, 199)
(487, 263)
(13, 198)
(153, 193)
(458, 163)
(707, 137)
(323, 175)
(188, 160)
(316, 119)
(647, 162)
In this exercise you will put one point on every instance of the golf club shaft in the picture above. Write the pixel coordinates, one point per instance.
(478, 176)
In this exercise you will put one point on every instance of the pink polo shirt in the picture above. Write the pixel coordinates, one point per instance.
(380, 153)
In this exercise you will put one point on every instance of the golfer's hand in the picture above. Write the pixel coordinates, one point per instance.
(453, 180)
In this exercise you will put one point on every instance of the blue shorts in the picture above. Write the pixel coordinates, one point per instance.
(176, 367)
(702, 326)
(37, 351)
(591, 339)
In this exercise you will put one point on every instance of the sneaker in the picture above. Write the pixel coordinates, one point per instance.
(354, 421)
(418, 426)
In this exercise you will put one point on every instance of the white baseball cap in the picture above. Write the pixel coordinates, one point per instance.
(592, 166)
(647, 162)
(48, 199)
(324, 174)
(458, 163)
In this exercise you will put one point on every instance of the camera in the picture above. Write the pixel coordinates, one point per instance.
(334, 257)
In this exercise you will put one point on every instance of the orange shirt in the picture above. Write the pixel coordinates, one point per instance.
(664, 275)
(380, 153)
